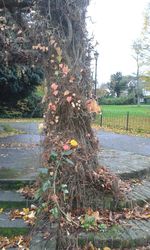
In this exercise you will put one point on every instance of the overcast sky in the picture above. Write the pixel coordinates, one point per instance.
(117, 23)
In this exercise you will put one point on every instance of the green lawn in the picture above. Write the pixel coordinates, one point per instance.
(125, 117)
(142, 110)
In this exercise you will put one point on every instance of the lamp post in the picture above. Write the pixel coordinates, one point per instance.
(96, 54)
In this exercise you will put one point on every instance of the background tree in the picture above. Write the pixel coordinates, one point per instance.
(141, 49)
(117, 84)
(146, 48)
(138, 50)
(17, 83)
(19, 78)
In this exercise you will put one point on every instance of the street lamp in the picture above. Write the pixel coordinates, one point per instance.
(96, 54)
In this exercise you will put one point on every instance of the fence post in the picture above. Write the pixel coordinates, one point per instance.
(101, 120)
(127, 121)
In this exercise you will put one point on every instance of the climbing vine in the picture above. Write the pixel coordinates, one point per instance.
(72, 178)
(53, 34)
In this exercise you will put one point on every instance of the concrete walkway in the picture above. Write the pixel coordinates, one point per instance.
(129, 143)
(128, 156)
(20, 155)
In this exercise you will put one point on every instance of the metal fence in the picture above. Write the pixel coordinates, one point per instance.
(125, 121)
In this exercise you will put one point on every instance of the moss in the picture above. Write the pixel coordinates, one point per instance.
(13, 205)
(11, 232)
(14, 184)
(7, 130)
(6, 173)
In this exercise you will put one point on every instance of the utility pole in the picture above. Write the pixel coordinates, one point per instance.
(96, 54)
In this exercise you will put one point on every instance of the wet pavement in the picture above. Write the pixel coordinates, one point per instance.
(121, 153)
(126, 155)
(129, 143)
(20, 155)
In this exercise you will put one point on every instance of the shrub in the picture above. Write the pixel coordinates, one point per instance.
(123, 100)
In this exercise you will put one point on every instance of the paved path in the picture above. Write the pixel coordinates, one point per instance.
(20, 155)
(128, 156)
(134, 144)
(123, 154)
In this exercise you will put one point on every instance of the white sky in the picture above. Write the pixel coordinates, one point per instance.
(117, 23)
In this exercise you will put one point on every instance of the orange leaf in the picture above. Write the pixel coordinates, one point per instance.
(96, 216)
(54, 198)
(55, 93)
(89, 211)
(54, 86)
(69, 99)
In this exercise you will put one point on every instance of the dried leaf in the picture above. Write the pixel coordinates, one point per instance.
(59, 51)
(55, 93)
(66, 92)
(96, 216)
(54, 198)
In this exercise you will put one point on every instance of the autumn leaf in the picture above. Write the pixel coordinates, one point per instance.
(55, 93)
(89, 211)
(52, 107)
(72, 79)
(55, 45)
(54, 198)
(54, 86)
(52, 42)
(59, 58)
(25, 211)
(65, 70)
(66, 147)
(59, 51)
(28, 215)
(73, 143)
(69, 99)
(1, 210)
(66, 92)
(96, 216)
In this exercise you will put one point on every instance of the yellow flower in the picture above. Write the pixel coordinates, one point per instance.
(74, 143)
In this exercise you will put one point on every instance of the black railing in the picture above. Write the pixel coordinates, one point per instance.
(125, 121)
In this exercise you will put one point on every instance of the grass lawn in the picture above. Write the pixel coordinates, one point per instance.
(115, 117)
(142, 110)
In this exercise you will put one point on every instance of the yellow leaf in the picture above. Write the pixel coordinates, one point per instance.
(26, 210)
(25, 217)
(106, 248)
(59, 58)
(1, 210)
